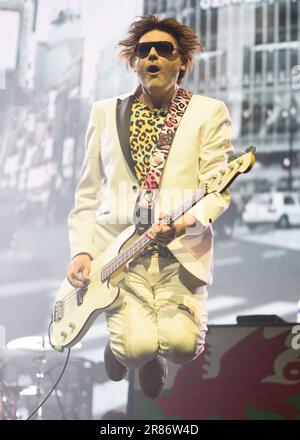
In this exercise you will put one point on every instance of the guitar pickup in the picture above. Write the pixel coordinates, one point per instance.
(80, 294)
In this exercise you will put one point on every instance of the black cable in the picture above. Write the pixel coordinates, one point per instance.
(58, 400)
(53, 388)
(60, 349)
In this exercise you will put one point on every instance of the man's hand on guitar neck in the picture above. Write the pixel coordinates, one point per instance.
(164, 234)
(79, 270)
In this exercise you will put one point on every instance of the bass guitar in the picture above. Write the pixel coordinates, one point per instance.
(75, 309)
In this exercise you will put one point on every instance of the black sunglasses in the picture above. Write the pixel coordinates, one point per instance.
(163, 48)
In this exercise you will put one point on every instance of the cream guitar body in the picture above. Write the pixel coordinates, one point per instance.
(75, 310)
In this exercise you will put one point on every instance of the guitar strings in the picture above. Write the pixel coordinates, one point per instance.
(178, 211)
(173, 214)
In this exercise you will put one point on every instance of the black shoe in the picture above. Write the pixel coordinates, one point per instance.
(114, 369)
(153, 376)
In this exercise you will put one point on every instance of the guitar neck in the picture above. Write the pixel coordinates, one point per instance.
(143, 241)
(184, 207)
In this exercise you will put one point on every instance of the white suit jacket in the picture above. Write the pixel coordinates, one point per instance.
(107, 190)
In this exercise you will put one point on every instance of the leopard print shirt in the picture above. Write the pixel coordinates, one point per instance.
(145, 126)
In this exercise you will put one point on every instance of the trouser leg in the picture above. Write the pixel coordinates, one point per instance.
(181, 317)
(163, 311)
(132, 325)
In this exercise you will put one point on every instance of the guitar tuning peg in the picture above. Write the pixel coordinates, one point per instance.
(232, 157)
(251, 149)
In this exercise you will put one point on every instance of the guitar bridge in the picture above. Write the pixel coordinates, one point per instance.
(58, 312)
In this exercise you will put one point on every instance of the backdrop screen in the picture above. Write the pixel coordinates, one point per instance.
(9, 38)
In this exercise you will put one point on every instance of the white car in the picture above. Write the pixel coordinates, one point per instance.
(279, 208)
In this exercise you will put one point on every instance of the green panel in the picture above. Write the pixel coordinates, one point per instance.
(253, 413)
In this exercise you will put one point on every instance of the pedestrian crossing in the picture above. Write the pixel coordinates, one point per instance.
(286, 239)
(277, 253)
(29, 287)
(228, 261)
(284, 309)
(224, 302)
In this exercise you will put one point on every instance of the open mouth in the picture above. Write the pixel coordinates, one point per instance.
(153, 69)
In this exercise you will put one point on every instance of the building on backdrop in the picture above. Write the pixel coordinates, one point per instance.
(252, 63)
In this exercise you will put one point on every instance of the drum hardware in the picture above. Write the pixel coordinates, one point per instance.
(32, 371)
(33, 343)
(9, 396)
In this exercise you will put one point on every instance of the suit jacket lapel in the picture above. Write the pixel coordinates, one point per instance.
(123, 111)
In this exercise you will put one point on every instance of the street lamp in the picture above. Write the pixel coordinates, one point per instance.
(292, 134)
(292, 117)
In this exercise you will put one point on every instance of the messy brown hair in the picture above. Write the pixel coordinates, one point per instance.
(187, 40)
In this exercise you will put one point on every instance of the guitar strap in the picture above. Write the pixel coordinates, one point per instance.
(144, 207)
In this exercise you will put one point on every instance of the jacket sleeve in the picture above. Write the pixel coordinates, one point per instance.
(82, 218)
(214, 149)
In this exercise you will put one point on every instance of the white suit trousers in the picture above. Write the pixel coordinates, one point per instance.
(162, 310)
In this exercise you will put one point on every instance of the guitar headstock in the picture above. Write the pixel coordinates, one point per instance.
(225, 176)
